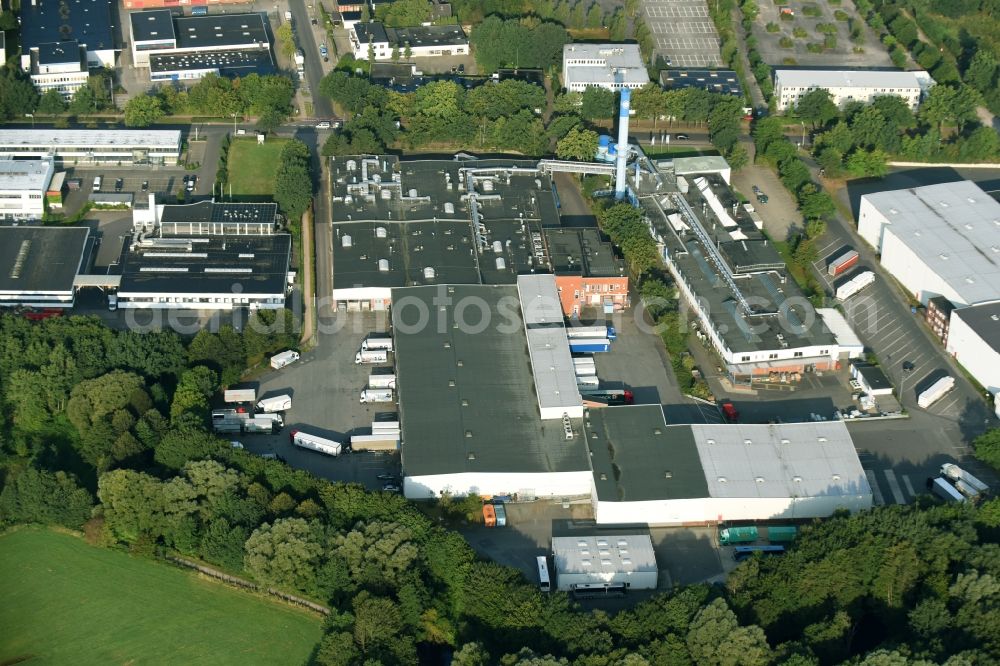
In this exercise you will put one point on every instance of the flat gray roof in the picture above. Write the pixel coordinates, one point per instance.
(466, 402)
(848, 78)
(953, 228)
(636, 457)
(699, 164)
(40, 259)
(22, 175)
(624, 553)
(14, 138)
(582, 251)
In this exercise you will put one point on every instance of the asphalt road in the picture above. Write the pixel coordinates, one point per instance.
(322, 108)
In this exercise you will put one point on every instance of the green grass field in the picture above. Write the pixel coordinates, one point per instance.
(252, 167)
(67, 602)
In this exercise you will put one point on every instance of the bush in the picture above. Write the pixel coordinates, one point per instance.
(814, 48)
(786, 43)
(789, 61)
(826, 28)
(858, 49)
(800, 33)
(812, 10)
(898, 56)
(772, 27)
(841, 15)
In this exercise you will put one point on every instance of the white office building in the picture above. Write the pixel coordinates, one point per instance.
(611, 66)
(861, 85)
(587, 562)
(937, 240)
(58, 66)
(974, 341)
(419, 41)
(23, 184)
(74, 146)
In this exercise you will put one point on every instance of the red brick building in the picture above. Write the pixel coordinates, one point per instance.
(588, 272)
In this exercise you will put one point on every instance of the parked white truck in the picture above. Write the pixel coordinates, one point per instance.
(279, 361)
(935, 392)
(239, 395)
(377, 342)
(382, 381)
(375, 442)
(371, 356)
(855, 285)
(969, 485)
(370, 395)
(945, 490)
(263, 423)
(304, 440)
(278, 403)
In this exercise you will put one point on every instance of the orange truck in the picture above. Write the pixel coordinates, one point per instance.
(489, 515)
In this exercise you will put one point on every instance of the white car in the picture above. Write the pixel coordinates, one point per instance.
(323, 125)
(236, 445)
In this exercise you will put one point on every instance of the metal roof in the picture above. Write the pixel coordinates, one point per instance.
(155, 25)
(465, 394)
(15, 138)
(784, 460)
(22, 175)
(586, 554)
(848, 78)
(582, 251)
(701, 164)
(86, 21)
(539, 298)
(953, 228)
(842, 331)
(220, 30)
(40, 259)
(618, 64)
(984, 320)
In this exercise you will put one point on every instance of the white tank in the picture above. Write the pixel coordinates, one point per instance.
(346, 241)
(383, 265)
(413, 193)
(380, 232)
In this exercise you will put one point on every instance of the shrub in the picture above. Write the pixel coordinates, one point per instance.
(841, 15)
(812, 10)
(786, 17)
(898, 56)
(826, 28)
(786, 43)
(814, 48)
(772, 27)
(800, 33)
(789, 61)
(858, 49)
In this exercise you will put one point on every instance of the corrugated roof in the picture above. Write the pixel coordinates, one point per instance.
(15, 138)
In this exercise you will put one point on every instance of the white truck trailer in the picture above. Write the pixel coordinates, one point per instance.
(278, 403)
(957, 474)
(946, 491)
(304, 440)
(279, 361)
(239, 395)
(370, 395)
(382, 381)
(375, 442)
(263, 423)
(377, 342)
(935, 392)
(855, 285)
(371, 356)
(590, 381)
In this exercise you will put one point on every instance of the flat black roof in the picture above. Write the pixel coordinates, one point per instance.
(208, 265)
(229, 63)
(370, 32)
(40, 259)
(86, 21)
(220, 30)
(637, 458)
(984, 320)
(56, 53)
(209, 211)
(152, 25)
(466, 397)
(723, 81)
(873, 375)
(428, 35)
(582, 251)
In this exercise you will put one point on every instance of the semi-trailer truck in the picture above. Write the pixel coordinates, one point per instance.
(606, 397)
(239, 395)
(371, 356)
(279, 361)
(375, 442)
(278, 403)
(935, 392)
(589, 345)
(377, 342)
(956, 474)
(600, 331)
(376, 395)
(945, 490)
(304, 440)
(382, 381)
(842, 263)
(588, 381)
(263, 424)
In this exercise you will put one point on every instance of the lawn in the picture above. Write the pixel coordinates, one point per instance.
(67, 602)
(252, 167)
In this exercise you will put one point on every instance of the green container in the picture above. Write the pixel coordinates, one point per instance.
(782, 533)
(732, 535)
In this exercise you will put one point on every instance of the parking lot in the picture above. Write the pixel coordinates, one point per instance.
(325, 385)
(780, 214)
(683, 32)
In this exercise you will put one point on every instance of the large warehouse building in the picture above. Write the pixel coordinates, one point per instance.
(651, 472)
(937, 240)
(974, 341)
(83, 147)
(39, 265)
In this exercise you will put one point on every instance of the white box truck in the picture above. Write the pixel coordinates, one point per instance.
(279, 361)
(377, 342)
(588, 381)
(935, 392)
(382, 381)
(304, 440)
(263, 424)
(956, 474)
(371, 356)
(239, 395)
(279, 403)
(376, 395)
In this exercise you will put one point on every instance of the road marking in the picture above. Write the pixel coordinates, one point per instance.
(946, 407)
(897, 493)
(909, 486)
(876, 491)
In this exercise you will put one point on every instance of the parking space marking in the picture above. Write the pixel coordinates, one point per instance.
(887, 348)
(909, 486)
(876, 491)
(945, 407)
(897, 492)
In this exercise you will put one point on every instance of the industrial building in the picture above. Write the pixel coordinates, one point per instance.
(702, 165)
(871, 378)
(588, 271)
(471, 421)
(719, 81)
(189, 47)
(418, 42)
(937, 240)
(23, 185)
(60, 66)
(39, 265)
(856, 85)
(974, 341)
(601, 562)
(733, 280)
(848, 342)
(207, 218)
(646, 471)
(398, 224)
(86, 24)
(938, 317)
(83, 147)
(611, 66)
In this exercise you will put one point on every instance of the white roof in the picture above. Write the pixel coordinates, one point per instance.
(837, 323)
(539, 298)
(87, 138)
(620, 63)
(954, 228)
(23, 175)
(603, 554)
(815, 459)
(850, 78)
(702, 164)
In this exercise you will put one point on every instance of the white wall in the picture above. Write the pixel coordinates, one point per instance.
(715, 509)
(871, 223)
(975, 355)
(563, 484)
(173, 301)
(637, 580)
(920, 280)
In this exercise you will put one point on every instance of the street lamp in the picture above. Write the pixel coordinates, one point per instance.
(803, 123)
(32, 116)
(234, 123)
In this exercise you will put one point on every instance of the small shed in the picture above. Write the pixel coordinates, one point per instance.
(872, 379)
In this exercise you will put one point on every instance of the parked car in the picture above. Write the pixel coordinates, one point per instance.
(682, 137)
(145, 186)
(314, 22)
(236, 445)
(390, 488)
(387, 477)
(119, 184)
(323, 125)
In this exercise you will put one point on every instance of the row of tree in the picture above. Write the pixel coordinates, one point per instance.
(18, 96)
(513, 43)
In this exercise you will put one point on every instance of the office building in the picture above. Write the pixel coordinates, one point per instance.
(611, 66)
(60, 66)
(375, 39)
(860, 85)
(588, 272)
(23, 185)
(83, 147)
(47, 26)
